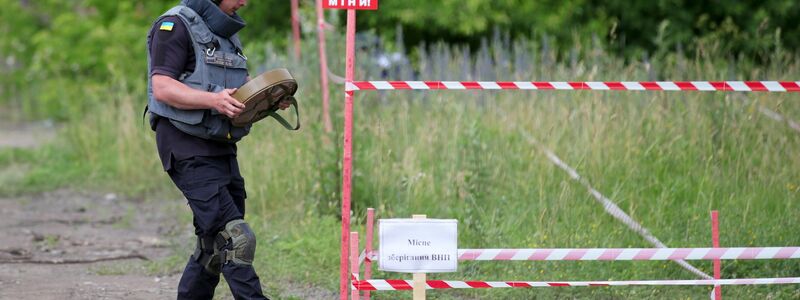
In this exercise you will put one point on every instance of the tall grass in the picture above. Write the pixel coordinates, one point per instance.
(666, 158)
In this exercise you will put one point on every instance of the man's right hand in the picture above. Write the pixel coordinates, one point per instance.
(224, 103)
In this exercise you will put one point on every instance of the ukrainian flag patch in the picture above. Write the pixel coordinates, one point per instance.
(166, 26)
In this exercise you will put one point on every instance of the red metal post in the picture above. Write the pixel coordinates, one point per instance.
(717, 262)
(347, 161)
(323, 67)
(353, 264)
(296, 28)
(368, 251)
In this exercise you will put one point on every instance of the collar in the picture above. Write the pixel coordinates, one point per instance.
(218, 21)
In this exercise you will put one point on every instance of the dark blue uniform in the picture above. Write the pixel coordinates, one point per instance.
(207, 173)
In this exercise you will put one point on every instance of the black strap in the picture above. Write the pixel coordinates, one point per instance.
(206, 255)
(236, 47)
(144, 113)
(273, 111)
(274, 114)
(206, 243)
(213, 44)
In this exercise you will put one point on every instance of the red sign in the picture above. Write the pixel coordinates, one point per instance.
(351, 4)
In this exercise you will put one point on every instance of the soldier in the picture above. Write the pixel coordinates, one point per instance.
(196, 62)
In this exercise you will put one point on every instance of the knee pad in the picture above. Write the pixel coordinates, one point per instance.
(240, 243)
(236, 243)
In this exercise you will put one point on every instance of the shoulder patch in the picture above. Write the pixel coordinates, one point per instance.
(166, 26)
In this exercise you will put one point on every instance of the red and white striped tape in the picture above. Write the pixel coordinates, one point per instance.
(392, 285)
(730, 86)
(630, 254)
(354, 279)
(367, 256)
(619, 254)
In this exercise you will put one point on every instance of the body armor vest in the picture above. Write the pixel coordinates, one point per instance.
(219, 64)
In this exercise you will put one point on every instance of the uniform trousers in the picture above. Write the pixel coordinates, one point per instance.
(215, 192)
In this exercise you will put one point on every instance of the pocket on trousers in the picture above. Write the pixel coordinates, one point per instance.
(204, 201)
(201, 193)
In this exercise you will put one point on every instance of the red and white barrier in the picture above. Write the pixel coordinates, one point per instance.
(351, 86)
(393, 285)
(609, 254)
(728, 86)
(631, 254)
(581, 254)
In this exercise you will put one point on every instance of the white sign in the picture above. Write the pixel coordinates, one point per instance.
(418, 245)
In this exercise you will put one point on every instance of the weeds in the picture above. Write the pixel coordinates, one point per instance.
(666, 158)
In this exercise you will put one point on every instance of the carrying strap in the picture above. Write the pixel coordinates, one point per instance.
(273, 111)
(274, 114)
(144, 113)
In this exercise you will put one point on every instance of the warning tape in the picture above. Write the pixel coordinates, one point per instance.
(730, 86)
(609, 254)
(335, 78)
(354, 279)
(392, 285)
(631, 253)
(367, 257)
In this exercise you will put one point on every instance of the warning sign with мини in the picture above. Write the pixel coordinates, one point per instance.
(351, 4)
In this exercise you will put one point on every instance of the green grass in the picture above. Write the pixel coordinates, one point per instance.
(666, 158)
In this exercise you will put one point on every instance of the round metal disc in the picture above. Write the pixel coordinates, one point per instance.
(260, 95)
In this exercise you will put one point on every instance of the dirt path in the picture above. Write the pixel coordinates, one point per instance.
(25, 135)
(76, 245)
(66, 244)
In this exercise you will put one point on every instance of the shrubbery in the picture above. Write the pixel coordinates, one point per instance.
(55, 51)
